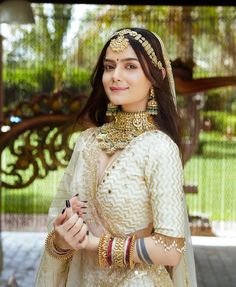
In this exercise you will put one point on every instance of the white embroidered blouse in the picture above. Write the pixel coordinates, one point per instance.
(143, 186)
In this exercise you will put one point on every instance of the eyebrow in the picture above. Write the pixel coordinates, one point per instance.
(122, 60)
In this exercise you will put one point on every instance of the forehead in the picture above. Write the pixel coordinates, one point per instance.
(127, 53)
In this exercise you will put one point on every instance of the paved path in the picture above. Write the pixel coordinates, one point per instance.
(21, 253)
(215, 259)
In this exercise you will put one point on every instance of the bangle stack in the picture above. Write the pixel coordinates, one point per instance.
(118, 251)
(56, 252)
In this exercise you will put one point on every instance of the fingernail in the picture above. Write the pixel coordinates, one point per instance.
(63, 210)
(87, 232)
(67, 203)
(76, 195)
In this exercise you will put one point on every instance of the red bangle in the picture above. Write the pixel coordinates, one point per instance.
(127, 254)
(109, 248)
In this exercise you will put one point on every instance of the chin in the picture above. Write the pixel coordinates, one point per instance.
(117, 102)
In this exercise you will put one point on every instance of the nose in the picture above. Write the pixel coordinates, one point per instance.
(116, 75)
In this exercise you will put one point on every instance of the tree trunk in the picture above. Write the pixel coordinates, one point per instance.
(186, 37)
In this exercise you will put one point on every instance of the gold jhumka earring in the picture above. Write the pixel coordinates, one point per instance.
(111, 110)
(152, 108)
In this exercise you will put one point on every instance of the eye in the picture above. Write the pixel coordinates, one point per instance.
(131, 66)
(108, 67)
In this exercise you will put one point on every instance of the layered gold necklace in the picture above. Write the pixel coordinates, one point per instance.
(120, 132)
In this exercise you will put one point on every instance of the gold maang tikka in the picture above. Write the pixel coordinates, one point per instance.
(120, 43)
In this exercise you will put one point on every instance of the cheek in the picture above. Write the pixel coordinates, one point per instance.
(141, 83)
(105, 80)
(138, 78)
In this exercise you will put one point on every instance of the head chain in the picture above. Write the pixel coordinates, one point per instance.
(120, 43)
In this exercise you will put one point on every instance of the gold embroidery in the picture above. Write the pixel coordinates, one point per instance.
(84, 182)
(169, 242)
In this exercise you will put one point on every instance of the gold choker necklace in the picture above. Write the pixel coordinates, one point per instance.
(120, 132)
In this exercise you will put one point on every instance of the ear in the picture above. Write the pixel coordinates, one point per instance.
(163, 71)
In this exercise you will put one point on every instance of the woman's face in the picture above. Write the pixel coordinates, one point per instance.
(124, 80)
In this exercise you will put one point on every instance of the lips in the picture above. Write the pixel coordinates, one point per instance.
(117, 89)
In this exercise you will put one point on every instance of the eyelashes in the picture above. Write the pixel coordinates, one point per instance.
(108, 67)
(131, 67)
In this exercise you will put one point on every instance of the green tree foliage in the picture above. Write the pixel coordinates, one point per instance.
(190, 33)
(202, 37)
(44, 43)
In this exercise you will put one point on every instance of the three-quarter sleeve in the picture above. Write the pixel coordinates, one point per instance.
(164, 175)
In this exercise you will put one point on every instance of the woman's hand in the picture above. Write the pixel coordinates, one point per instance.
(71, 231)
(72, 234)
(77, 206)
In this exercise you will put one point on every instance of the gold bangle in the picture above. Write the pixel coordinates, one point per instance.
(102, 250)
(131, 254)
(61, 254)
(118, 256)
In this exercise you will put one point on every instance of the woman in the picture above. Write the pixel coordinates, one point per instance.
(125, 221)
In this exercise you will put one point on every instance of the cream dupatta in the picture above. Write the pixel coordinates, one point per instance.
(186, 268)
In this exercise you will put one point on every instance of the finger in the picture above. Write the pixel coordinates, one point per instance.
(83, 244)
(81, 234)
(75, 203)
(69, 211)
(77, 227)
(80, 210)
(71, 222)
(68, 235)
(82, 203)
(60, 219)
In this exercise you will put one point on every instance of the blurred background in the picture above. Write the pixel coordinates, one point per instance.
(46, 71)
(45, 81)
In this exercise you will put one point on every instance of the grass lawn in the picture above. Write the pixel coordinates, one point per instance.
(214, 171)
(35, 198)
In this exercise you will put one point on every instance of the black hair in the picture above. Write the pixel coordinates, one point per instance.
(167, 119)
